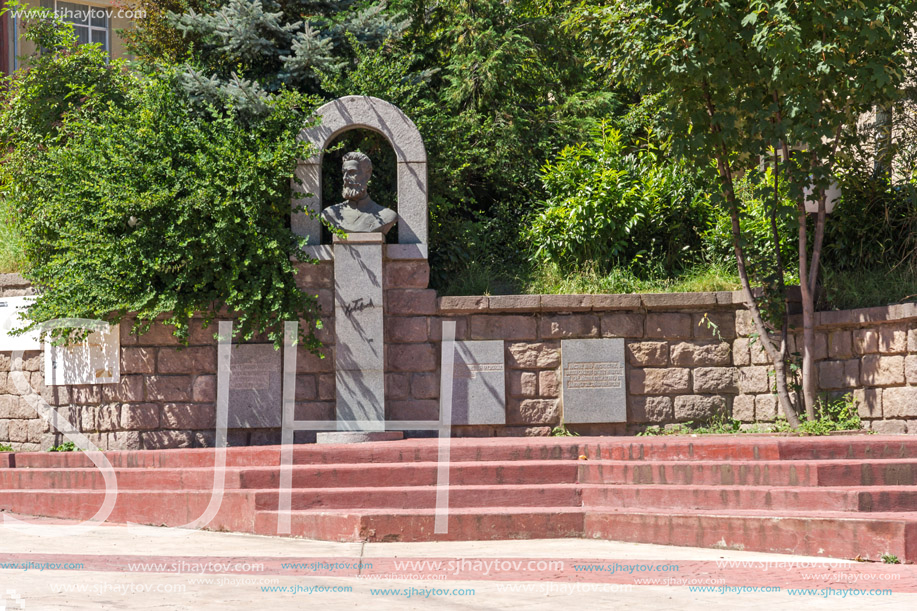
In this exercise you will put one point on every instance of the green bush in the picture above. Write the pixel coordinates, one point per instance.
(149, 204)
(67, 446)
(831, 414)
(610, 207)
(874, 224)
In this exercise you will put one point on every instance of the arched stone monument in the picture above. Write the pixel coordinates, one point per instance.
(359, 353)
(356, 112)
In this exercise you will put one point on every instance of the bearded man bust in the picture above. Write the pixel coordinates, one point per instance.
(359, 214)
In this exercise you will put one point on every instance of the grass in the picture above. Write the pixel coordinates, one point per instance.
(5, 448)
(833, 414)
(10, 252)
(482, 279)
(550, 280)
(890, 559)
(67, 446)
(865, 288)
(842, 290)
(718, 425)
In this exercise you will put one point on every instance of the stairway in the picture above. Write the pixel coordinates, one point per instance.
(841, 496)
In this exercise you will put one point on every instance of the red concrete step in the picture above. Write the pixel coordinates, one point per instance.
(197, 478)
(714, 447)
(416, 474)
(407, 451)
(849, 447)
(827, 534)
(738, 447)
(465, 524)
(304, 476)
(729, 498)
(424, 497)
(880, 472)
(703, 473)
(151, 507)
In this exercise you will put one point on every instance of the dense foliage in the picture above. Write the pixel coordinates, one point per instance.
(496, 88)
(617, 207)
(132, 199)
(749, 82)
(524, 185)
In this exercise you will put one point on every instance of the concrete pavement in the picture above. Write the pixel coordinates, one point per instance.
(119, 568)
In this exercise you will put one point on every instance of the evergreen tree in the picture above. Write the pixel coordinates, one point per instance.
(243, 50)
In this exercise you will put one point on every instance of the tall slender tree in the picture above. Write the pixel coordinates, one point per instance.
(750, 80)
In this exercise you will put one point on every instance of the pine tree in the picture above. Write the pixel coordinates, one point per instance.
(244, 50)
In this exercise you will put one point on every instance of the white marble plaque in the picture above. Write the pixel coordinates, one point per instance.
(10, 307)
(96, 360)
(255, 386)
(593, 380)
(479, 384)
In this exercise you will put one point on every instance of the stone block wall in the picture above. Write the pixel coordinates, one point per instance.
(688, 357)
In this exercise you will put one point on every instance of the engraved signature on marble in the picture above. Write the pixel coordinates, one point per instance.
(357, 305)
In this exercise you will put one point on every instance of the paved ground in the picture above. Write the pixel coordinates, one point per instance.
(112, 567)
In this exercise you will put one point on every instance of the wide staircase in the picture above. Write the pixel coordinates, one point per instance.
(838, 496)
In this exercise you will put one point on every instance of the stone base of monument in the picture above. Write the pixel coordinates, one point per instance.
(358, 436)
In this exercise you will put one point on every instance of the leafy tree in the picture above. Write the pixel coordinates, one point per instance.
(615, 206)
(249, 49)
(156, 38)
(746, 81)
(495, 88)
(134, 199)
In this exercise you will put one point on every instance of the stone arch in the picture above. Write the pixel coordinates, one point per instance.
(355, 112)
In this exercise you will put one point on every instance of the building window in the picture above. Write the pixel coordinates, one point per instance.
(90, 23)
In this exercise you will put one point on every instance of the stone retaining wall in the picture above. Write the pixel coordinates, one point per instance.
(678, 368)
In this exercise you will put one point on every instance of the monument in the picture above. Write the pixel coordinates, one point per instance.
(358, 315)
(359, 214)
(359, 351)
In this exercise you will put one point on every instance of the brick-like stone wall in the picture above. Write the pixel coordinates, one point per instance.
(678, 367)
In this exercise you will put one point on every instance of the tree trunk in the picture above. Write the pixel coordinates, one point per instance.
(783, 394)
(883, 139)
(808, 321)
(776, 356)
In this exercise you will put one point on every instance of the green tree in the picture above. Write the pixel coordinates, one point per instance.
(496, 88)
(133, 199)
(745, 82)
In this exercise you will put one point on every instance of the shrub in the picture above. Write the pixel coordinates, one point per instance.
(616, 207)
(149, 204)
(873, 225)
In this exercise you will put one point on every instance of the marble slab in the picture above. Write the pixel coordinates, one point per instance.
(97, 360)
(255, 387)
(359, 351)
(10, 307)
(593, 380)
(479, 383)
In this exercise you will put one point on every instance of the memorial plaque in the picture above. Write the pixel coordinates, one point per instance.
(97, 360)
(10, 308)
(255, 387)
(593, 380)
(479, 383)
(359, 353)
